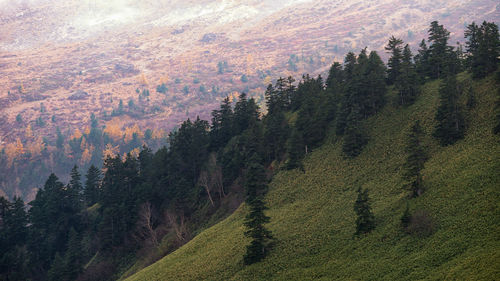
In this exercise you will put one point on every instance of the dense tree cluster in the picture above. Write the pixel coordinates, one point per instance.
(207, 169)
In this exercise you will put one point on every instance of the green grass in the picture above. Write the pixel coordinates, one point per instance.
(312, 213)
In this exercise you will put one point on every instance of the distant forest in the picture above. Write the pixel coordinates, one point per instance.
(147, 204)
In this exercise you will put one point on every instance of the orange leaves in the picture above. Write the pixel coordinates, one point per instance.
(143, 80)
(29, 132)
(159, 134)
(19, 147)
(35, 147)
(129, 133)
(113, 130)
(86, 155)
(110, 151)
(77, 134)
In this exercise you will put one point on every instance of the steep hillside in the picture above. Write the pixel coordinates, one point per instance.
(312, 214)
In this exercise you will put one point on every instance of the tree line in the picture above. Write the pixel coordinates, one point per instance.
(89, 230)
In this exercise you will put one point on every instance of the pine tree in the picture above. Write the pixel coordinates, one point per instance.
(422, 61)
(72, 259)
(75, 185)
(415, 160)
(92, 185)
(407, 83)
(221, 130)
(440, 54)
(56, 271)
(394, 47)
(365, 221)
(451, 124)
(483, 48)
(254, 221)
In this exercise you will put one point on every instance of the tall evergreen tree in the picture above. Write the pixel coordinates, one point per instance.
(92, 185)
(441, 55)
(75, 185)
(221, 129)
(422, 61)
(254, 221)
(72, 264)
(451, 123)
(483, 48)
(407, 83)
(394, 47)
(415, 160)
(365, 221)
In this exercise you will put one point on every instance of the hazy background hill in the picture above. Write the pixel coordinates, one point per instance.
(201, 51)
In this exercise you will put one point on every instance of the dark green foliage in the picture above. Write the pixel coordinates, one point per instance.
(415, 160)
(365, 88)
(246, 112)
(56, 272)
(54, 211)
(422, 61)
(255, 186)
(451, 123)
(72, 264)
(40, 122)
(483, 48)
(13, 234)
(276, 132)
(394, 47)
(221, 129)
(442, 58)
(19, 118)
(278, 98)
(92, 186)
(162, 88)
(407, 83)
(365, 220)
(244, 78)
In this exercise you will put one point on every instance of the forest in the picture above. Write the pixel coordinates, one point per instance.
(148, 203)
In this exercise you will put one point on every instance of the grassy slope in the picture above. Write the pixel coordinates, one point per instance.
(313, 219)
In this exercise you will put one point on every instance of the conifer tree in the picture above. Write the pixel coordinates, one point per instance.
(254, 221)
(394, 47)
(56, 271)
(365, 221)
(415, 160)
(72, 258)
(92, 185)
(407, 83)
(221, 129)
(422, 61)
(441, 55)
(75, 185)
(483, 48)
(451, 124)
